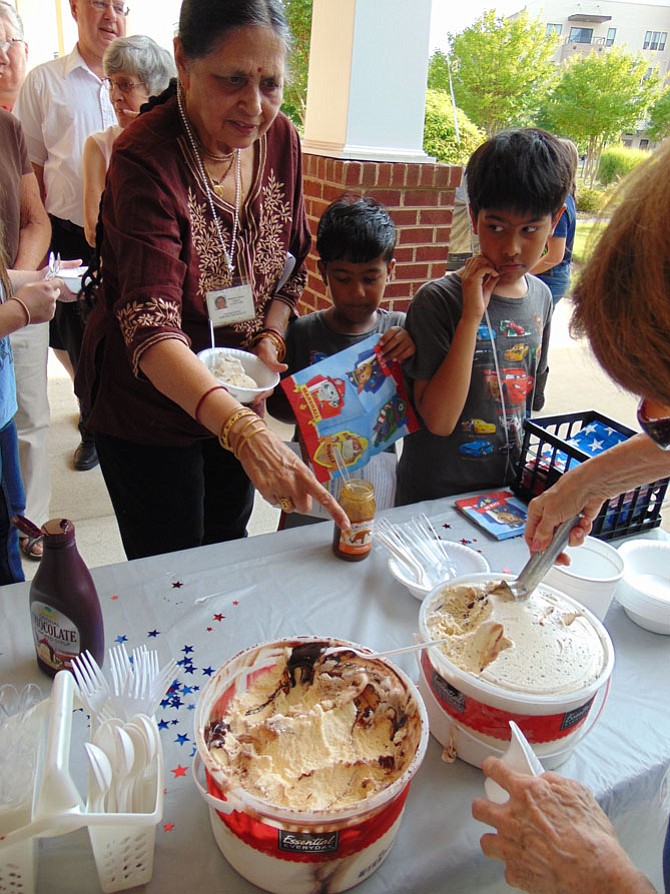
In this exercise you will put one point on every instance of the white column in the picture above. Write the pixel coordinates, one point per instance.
(367, 79)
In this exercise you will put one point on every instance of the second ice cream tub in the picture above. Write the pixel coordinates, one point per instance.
(308, 759)
(544, 662)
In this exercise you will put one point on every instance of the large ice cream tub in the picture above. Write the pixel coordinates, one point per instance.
(308, 760)
(544, 662)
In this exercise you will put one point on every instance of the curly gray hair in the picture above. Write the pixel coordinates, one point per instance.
(141, 56)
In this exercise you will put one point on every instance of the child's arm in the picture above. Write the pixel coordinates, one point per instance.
(440, 400)
(397, 344)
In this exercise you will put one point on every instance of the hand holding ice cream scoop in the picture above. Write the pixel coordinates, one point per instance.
(539, 563)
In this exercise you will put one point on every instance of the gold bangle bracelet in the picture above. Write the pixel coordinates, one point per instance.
(239, 432)
(276, 339)
(238, 446)
(228, 424)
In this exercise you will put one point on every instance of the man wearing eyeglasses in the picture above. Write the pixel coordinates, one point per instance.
(60, 104)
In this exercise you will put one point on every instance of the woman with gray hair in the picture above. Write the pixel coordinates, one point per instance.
(135, 69)
(13, 55)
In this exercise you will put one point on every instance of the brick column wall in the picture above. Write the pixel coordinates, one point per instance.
(420, 199)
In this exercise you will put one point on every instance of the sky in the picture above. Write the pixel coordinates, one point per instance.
(448, 15)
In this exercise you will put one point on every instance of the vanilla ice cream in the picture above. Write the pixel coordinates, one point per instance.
(316, 731)
(229, 370)
(541, 645)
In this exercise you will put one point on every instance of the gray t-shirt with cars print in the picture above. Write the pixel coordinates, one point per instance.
(477, 455)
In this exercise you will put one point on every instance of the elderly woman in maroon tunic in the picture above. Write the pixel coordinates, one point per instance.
(203, 199)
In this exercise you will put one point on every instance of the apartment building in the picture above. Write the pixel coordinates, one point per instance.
(589, 26)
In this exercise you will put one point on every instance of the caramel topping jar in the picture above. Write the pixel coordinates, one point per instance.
(358, 501)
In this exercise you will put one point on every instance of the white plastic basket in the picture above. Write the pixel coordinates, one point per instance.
(18, 868)
(122, 843)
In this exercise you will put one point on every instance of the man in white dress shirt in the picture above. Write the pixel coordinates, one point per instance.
(60, 104)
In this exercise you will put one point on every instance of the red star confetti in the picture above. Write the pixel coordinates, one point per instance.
(176, 584)
(179, 771)
(114, 596)
(168, 827)
(219, 617)
(447, 526)
(209, 629)
(465, 541)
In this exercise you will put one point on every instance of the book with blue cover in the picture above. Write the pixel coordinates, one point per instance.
(500, 513)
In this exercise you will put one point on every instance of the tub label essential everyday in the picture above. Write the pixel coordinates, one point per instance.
(572, 718)
(448, 693)
(309, 842)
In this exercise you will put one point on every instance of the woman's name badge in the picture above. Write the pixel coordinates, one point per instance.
(234, 304)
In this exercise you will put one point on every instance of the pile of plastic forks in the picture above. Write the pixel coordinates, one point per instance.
(138, 684)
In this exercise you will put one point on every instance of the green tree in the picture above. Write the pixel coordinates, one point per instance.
(438, 72)
(659, 116)
(440, 138)
(597, 98)
(299, 16)
(502, 70)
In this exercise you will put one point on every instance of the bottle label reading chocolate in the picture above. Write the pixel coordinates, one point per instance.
(57, 639)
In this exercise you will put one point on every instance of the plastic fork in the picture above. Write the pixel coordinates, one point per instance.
(93, 686)
(120, 668)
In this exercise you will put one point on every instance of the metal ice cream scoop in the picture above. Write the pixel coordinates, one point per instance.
(538, 565)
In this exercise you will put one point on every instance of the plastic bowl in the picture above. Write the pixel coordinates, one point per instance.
(252, 365)
(591, 578)
(465, 561)
(644, 592)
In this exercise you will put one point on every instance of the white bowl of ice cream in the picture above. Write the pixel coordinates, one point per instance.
(298, 747)
(242, 374)
(464, 559)
(540, 662)
(644, 591)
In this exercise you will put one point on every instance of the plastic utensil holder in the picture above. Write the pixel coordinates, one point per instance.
(122, 843)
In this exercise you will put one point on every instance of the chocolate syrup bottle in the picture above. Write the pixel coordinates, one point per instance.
(64, 605)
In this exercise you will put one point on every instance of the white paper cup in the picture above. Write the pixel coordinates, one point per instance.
(591, 578)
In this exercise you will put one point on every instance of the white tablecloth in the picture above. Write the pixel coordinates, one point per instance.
(202, 606)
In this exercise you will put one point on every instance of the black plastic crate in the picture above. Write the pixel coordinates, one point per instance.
(545, 455)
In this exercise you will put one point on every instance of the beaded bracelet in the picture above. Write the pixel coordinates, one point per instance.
(204, 396)
(228, 424)
(24, 306)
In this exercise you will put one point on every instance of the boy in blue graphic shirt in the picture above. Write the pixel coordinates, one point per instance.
(482, 333)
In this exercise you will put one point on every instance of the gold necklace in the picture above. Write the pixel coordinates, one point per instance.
(217, 182)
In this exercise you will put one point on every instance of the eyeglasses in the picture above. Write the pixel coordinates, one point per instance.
(6, 45)
(124, 86)
(101, 5)
(657, 428)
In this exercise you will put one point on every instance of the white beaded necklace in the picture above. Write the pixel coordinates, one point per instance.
(229, 255)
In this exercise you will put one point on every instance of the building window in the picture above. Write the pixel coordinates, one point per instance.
(644, 144)
(554, 30)
(655, 40)
(580, 35)
(611, 34)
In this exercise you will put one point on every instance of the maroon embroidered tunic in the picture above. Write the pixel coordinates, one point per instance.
(161, 254)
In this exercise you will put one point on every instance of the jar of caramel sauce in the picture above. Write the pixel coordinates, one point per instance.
(358, 501)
